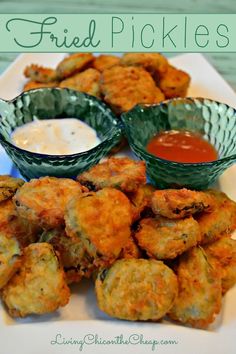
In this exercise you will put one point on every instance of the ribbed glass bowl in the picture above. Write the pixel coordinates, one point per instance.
(49, 103)
(215, 121)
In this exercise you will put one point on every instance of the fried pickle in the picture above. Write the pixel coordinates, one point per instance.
(199, 298)
(121, 173)
(9, 186)
(179, 203)
(102, 222)
(39, 286)
(86, 81)
(136, 289)
(103, 62)
(124, 87)
(155, 63)
(9, 257)
(220, 220)
(31, 85)
(74, 258)
(130, 250)
(141, 200)
(42, 201)
(174, 82)
(40, 74)
(163, 238)
(73, 64)
(223, 251)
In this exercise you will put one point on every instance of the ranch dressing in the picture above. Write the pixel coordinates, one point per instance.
(55, 136)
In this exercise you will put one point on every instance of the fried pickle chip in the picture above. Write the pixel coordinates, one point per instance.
(31, 85)
(199, 298)
(40, 74)
(39, 286)
(9, 257)
(163, 238)
(220, 220)
(42, 201)
(136, 289)
(121, 173)
(87, 81)
(73, 64)
(16, 227)
(124, 87)
(103, 62)
(9, 186)
(74, 258)
(174, 82)
(141, 200)
(102, 222)
(223, 251)
(179, 203)
(155, 63)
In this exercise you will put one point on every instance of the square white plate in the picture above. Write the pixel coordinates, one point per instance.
(54, 333)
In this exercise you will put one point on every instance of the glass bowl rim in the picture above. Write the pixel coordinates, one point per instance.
(56, 157)
(175, 163)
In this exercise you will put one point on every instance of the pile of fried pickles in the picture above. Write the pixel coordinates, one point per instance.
(151, 253)
(119, 82)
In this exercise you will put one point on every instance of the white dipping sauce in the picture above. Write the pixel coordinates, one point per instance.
(63, 136)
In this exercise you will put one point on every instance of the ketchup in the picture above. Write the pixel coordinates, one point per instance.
(182, 146)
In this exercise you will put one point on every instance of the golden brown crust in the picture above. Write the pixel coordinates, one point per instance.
(179, 203)
(86, 81)
(73, 64)
(155, 63)
(199, 298)
(9, 186)
(124, 87)
(121, 173)
(136, 289)
(40, 74)
(163, 238)
(130, 250)
(102, 221)
(31, 85)
(141, 200)
(42, 201)
(39, 286)
(103, 62)
(174, 82)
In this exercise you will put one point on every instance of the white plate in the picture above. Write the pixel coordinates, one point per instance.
(36, 335)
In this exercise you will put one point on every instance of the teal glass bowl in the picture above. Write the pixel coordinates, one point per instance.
(49, 103)
(215, 121)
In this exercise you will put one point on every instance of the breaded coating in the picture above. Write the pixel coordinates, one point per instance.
(199, 298)
(121, 173)
(16, 227)
(155, 63)
(130, 250)
(87, 81)
(179, 203)
(42, 201)
(39, 286)
(9, 257)
(40, 74)
(163, 238)
(136, 289)
(174, 82)
(73, 64)
(103, 62)
(221, 219)
(223, 251)
(9, 186)
(141, 200)
(31, 85)
(74, 258)
(102, 222)
(124, 87)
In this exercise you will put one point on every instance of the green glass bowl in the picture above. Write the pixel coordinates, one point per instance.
(215, 121)
(49, 103)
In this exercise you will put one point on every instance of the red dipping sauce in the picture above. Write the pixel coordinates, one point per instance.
(182, 146)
